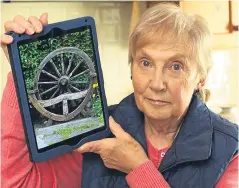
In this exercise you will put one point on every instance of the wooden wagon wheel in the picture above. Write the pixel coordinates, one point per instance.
(64, 80)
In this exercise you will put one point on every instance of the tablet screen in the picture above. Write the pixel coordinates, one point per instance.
(61, 81)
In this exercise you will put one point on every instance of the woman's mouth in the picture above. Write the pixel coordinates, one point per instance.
(158, 102)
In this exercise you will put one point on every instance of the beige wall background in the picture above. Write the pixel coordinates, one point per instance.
(113, 27)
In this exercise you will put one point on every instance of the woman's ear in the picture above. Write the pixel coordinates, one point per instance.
(131, 64)
(200, 84)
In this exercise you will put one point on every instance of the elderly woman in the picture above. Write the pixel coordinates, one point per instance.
(165, 136)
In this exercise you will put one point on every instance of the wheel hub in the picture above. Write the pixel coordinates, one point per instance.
(63, 81)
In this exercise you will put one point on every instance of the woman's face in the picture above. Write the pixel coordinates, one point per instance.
(163, 81)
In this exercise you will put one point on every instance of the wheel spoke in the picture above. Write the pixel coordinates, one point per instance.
(49, 74)
(55, 68)
(69, 66)
(53, 95)
(74, 88)
(85, 71)
(73, 103)
(47, 91)
(65, 107)
(52, 82)
(61, 91)
(68, 89)
(78, 82)
(62, 65)
(72, 72)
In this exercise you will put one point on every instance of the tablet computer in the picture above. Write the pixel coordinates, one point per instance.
(60, 87)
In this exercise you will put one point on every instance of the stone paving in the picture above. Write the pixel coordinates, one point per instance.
(47, 135)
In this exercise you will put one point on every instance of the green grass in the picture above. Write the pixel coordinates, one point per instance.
(65, 133)
(101, 119)
(50, 143)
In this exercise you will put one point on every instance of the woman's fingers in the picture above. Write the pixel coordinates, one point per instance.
(93, 146)
(38, 23)
(20, 25)
(35, 23)
(6, 39)
(29, 28)
(98, 146)
(44, 19)
(117, 130)
(12, 26)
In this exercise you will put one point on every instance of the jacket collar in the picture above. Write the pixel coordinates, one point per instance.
(193, 142)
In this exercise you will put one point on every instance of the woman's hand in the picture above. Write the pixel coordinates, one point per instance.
(122, 153)
(22, 25)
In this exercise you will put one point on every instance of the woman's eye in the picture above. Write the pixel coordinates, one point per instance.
(176, 67)
(146, 63)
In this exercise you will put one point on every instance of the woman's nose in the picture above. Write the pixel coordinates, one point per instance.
(157, 82)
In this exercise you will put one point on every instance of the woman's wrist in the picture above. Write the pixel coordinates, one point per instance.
(138, 163)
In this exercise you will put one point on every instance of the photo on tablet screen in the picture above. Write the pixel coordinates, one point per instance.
(61, 81)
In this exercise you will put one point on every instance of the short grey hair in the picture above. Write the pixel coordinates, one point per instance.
(168, 23)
